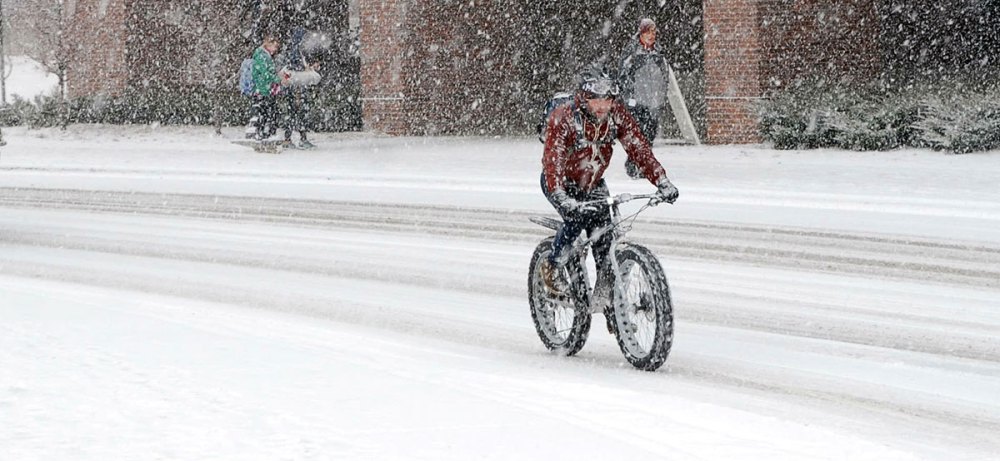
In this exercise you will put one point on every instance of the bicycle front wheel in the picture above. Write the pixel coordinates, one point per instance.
(563, 322)
(644, 314)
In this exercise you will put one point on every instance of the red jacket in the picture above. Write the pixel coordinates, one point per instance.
(565, 160)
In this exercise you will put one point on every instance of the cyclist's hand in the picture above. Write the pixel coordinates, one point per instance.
(666, 191)
(569, 206)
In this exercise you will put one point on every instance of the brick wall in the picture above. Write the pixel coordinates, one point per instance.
(122, 44)
(755, 47)
(733, 58)
(383, 76)
(810, 38)
(438, 66)
(183, 44)
(96, 43)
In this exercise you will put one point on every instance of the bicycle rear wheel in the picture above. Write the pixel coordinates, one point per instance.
(562, 323)
(644, 314)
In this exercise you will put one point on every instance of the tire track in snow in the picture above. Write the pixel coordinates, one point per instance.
(753, 307)
(814, 318)
(858, 254)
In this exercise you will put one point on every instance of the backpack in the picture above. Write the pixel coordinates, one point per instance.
(246, 77)
(562, 99)
(557, 100)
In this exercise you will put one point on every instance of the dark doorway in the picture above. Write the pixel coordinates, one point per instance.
(568, 35)
(329, 41)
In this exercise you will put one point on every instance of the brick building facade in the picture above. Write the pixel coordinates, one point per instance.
(96, 47)
(451, 66)
(441, 67)
(751, 48)
(754, 47)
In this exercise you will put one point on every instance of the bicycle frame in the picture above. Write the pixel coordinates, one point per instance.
(619, 234)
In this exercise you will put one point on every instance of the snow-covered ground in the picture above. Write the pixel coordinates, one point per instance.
(167, 295)
(28, 78)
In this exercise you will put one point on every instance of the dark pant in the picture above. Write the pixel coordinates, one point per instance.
(265, 108)
(648, 124)
(575, 223)
(297, 111)
(648, 120)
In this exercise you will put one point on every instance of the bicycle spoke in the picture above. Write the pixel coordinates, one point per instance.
(639, 314)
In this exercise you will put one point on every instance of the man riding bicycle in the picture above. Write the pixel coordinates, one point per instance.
(578, 147)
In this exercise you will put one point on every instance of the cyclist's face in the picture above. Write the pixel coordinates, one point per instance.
(600, 107)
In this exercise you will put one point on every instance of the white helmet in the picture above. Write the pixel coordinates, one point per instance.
(595, 81)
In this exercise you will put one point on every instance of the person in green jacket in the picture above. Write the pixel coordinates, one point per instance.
(267, 84)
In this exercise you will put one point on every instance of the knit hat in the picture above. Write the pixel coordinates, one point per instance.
(646, 24)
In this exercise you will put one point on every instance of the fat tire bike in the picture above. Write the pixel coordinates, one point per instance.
(640, 315)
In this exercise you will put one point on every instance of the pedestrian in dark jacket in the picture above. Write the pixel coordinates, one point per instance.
(297, 98)
(643, 74)
(578, 147)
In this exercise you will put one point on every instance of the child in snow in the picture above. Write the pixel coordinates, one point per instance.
(267, 84)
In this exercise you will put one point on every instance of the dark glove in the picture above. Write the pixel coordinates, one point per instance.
(632, 170)
(569, 206)
(666, 191)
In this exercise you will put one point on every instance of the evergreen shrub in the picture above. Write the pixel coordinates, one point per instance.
(952, 116)
(962, 123)
(17, 112)
(876, 121)
(800, 117)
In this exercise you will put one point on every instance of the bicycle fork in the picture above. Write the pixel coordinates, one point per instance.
(616, 291)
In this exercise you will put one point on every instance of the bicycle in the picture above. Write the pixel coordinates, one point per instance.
(643, 321)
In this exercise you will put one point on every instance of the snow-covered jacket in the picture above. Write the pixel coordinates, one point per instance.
(642, 75)
(292, 58)
(293, 62)
(264, 74)
(582, 162)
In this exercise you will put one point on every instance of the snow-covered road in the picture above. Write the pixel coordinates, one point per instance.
(166, 299)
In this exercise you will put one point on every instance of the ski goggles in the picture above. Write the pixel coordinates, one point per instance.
(599, 89)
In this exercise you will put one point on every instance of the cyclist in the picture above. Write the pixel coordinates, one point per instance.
(578, 147)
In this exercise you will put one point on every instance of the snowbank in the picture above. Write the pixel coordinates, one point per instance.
(28, 79)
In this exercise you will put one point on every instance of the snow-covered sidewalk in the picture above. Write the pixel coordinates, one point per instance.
(905, 192)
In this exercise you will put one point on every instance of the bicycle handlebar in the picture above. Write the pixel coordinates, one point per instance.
(620, 199)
